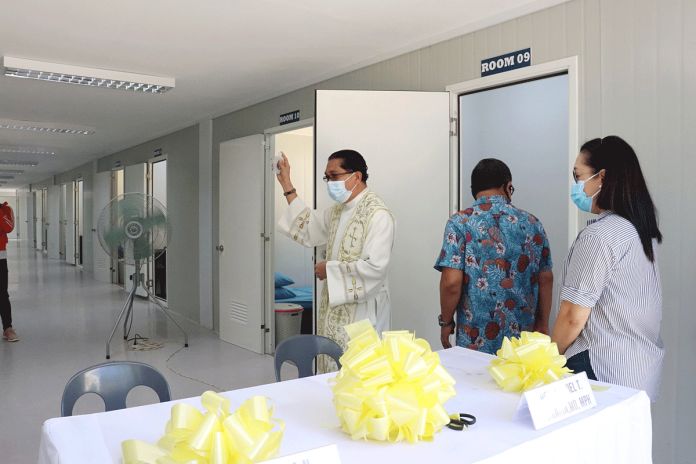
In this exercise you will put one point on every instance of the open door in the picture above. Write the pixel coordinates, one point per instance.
(53, 222)
(242, 242)
(27, 204)
(135, 182)
(100, 198)
(63, 219)
(404, 138)
(69, 223)
(39, 220)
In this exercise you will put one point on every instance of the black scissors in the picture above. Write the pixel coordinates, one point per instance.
(464, 421)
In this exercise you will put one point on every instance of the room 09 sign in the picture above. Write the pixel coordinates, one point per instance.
(507, 62)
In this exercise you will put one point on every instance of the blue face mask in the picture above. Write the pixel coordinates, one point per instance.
(580, 198)
(337, 190)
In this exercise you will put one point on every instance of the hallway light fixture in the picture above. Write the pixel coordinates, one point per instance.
(92, 77)
(18, 163)
(46, 127)
(8, 172)
(2, 176)
(26, 150)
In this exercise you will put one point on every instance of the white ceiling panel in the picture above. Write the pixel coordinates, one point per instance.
(223, 54)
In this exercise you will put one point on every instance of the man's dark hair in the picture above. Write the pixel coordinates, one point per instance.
(489, 173)
(624, 190)
(351, 160)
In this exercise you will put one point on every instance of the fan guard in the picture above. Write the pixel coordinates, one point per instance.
(134, 227)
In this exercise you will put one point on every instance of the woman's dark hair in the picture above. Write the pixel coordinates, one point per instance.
(489, 173)
(624, 190)
(351, 160)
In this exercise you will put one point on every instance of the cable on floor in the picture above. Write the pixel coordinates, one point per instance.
(143, 344)
(186, 376)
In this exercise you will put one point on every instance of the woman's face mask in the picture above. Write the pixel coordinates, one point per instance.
(337, 190)
(579, 197)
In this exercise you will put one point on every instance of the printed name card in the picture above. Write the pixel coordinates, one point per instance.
(556, 401)
(323, 455)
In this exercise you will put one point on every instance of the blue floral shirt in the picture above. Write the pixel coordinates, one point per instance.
(501, 250)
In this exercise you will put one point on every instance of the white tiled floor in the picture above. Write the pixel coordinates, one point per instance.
(63, 318)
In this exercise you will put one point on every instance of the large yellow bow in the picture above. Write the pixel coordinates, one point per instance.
(217, 437)
(390, 389)
(527, 362)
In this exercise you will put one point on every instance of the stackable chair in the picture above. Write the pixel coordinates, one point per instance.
(112, 381)
(302, 349)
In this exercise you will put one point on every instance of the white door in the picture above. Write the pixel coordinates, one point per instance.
(241, 265)
(404, 138)
(100, 198)
(53, 222)
(70, 222)
(135, 182)
(39, 220)
(27, 215)
(63, 219)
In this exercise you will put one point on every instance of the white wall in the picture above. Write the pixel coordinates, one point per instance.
(291, 259)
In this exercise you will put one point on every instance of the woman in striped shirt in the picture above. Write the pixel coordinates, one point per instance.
(608, 323)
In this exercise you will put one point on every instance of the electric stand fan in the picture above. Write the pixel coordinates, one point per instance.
(134, 227)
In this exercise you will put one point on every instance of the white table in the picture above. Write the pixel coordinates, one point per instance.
(617, 430)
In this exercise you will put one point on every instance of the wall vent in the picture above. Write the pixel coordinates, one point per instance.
(239, 312)
(102, 263)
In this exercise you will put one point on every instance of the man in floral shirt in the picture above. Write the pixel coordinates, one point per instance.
(496, 266)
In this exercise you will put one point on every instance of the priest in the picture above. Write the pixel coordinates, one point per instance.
(358, 231)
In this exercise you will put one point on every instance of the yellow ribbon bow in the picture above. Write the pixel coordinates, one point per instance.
(527, 362)
(390, 389)
(216, 437)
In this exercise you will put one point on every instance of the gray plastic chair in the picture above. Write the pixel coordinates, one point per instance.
(302, 349)
(112, 381)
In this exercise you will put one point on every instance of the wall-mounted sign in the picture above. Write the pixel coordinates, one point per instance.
(507, 62)
(287, 118)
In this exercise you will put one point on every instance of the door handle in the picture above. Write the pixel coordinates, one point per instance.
(220, 248)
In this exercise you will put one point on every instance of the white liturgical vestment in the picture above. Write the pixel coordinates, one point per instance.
(359, 236)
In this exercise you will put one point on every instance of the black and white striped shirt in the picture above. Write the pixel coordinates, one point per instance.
(607, 271)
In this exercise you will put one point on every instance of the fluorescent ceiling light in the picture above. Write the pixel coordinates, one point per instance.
(7, 172)
(93, 77)
(46, 127)
(26, 150)
(2, 176)
(17, 163)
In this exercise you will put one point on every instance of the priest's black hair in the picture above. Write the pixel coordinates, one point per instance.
(352, 161)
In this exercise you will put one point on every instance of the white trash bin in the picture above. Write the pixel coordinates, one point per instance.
(288, 321)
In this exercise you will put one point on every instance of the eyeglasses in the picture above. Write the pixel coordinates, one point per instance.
(335, 177)
(512, 190)
(576, 178)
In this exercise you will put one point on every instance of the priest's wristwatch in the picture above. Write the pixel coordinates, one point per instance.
(443, 323)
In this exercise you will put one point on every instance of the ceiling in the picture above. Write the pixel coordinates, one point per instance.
(224, 55)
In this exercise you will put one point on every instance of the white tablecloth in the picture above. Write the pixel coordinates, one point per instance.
(617, 430)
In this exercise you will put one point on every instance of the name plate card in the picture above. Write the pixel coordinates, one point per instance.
(556, 401)
(323, 455)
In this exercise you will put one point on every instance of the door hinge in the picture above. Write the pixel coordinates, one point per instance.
(148, 176)
(453, 126)
(265, 329)
(265, 239)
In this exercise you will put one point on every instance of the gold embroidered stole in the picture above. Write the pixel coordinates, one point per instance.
(333, 318)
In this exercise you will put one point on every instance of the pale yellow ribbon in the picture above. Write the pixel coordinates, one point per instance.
(390, 389)
(527, 362)
(216, 437)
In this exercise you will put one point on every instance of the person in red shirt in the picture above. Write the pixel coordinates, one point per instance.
(7, 223)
